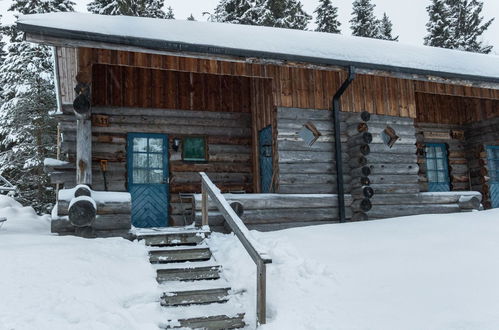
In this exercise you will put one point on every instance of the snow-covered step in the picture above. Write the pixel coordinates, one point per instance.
(189, 297)
(166, 255)
(216, 322)
(172, 238)
(189, 272)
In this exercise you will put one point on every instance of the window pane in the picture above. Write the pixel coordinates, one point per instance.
(430, 152)
(194, 149)
(439, 152)
(139, 176)
(155, 145)
(440, 164)
(139, 160)
(430, 164)
(156, 161)
(156, 176)
(432, 176)
(140, 144)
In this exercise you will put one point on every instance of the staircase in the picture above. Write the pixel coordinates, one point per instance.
(194, 288)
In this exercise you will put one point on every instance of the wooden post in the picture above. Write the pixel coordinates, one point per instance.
(261, 293)
(204, 205)
(83, 150)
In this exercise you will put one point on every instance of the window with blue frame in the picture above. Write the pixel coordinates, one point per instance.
(437, 169)
(148, 162)
(493, 167)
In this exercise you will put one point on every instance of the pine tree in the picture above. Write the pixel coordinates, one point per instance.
(2, 44)
(438, 26)
(143, 8)
(457, 24)
(386, 28)
(364, 22)
(282, 13)
(327, 17)
(191, 18)
(236, 12)
(27, 131)
(169, 13)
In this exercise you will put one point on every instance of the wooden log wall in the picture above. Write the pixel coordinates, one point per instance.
(478, 135)
(228, 136)
(302, 168)
(393, 170)
(453, 137)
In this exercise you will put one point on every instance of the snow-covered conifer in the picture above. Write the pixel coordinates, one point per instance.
(143, 8)
(169, 13)
(386, 29)
(364, 22)
(327, 17)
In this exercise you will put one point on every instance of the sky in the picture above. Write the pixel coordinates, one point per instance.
(408, 16)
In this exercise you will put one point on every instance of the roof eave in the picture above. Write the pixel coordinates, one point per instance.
(180, 47)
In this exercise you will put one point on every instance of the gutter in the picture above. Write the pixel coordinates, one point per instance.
(337, 142)
(177, 46)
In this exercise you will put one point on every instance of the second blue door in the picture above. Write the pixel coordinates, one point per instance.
(266, 168)
(493, 165)
(147, 157)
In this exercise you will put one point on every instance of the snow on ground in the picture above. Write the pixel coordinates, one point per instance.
(53, 282)
(421, 272)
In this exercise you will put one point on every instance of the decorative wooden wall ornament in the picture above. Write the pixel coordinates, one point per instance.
(389, 136)
(309, 133)
(437, 135)
(100, 120)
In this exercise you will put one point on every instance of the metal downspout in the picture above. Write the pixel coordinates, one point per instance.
(337, 142)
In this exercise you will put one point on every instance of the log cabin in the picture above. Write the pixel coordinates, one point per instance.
(295, 127)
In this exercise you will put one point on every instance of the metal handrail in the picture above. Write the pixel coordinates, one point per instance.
(260, 258)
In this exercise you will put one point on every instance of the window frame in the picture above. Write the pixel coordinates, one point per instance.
(195, 160)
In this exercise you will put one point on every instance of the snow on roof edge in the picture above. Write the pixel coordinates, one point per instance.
(265, 42)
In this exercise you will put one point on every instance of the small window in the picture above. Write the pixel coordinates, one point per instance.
(194, 149)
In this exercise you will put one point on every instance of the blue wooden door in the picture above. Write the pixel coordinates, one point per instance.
(493, 165)
(265, 153)
(437, 168)
(147, 157)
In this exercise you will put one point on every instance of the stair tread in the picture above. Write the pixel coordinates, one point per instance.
(188, 265)
(228, 309)
(194, 285)
(169, 231)
(201, 246)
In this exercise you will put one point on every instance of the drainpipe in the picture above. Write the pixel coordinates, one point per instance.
(337, 142)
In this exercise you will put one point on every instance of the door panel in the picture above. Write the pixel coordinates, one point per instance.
(437, 168)
(147, 156)
(265, 153)
(493, 166)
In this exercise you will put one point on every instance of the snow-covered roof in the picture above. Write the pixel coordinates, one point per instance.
(264, 42)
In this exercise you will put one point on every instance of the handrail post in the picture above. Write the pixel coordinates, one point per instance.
(204, 205)
(261, 292)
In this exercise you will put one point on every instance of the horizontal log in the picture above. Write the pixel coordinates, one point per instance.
(166, 129)
(307, 189)
(112, 222)
(103, 207)
(387, 158)
(287, 145)
(403, 168)
(294, 137)
(403, 139)
(286, 225)
(378, 128)
(308, 156)
(359, 150)
(395, 188)
(381, 211)
(227, 148)
(299, 179)
(469, 202)
(278, 216)
(278, 201)
(391, 120)
(396, 149)
(315, 167)
(421, 198)
(362, 192)
(292, 124)
(361, 138)
(360, 172)
(393, 179)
